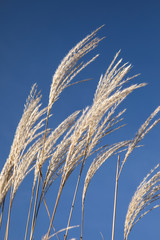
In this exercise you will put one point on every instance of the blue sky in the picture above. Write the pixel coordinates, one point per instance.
(34, 37)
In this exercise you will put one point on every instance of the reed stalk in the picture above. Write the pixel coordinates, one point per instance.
(115, 199)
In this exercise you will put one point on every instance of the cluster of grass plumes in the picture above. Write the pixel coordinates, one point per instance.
(77, 138)
(143, 201)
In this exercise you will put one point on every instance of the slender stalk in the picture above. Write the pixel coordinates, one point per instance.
(77, 185)
(76, 189)
(9, 214)
(38, 207)
(42, 154)
(2, 212)
(62, 231)
(35, 205)
(29, 212)
(54, 211)
(102, 236)
(82, 223)
(73, 202)
(115, 199)
(47, 208)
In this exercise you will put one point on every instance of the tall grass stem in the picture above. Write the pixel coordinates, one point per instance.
(115, 199)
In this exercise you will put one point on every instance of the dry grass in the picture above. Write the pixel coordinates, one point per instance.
(143, 200)
(75, 140)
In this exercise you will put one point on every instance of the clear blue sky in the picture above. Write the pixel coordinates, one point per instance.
(34, 37)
